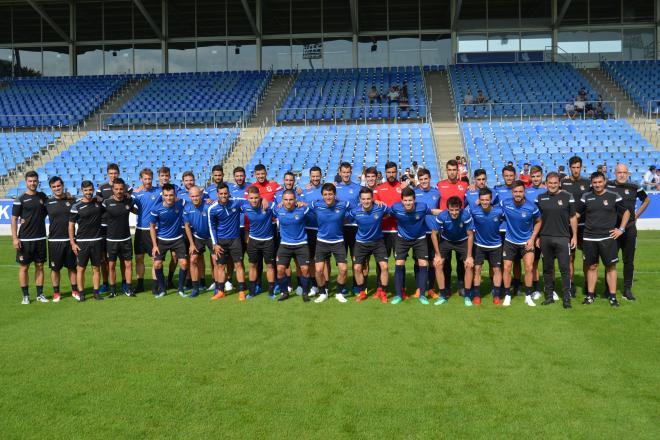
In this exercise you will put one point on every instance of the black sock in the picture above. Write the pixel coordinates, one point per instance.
(74, 287)
(535, 286)
(271, 289)
(140, 282)
(40, 290)
(528, 291)
(241, 286)
(252, 286)
(507, 291)
(25, 291)
(476, 292)
(96, 292)
(113, 288)
(56, 289)
(340, 288)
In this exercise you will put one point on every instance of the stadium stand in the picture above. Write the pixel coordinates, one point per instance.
(295, 148)
(18, 147)
(341, 94)
(528, 83)
(194, 98)
(180, 149)
(54, 101)
(551, 143)
(639, 79)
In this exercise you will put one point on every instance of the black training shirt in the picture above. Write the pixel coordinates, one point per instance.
(88, 217)
(58, 214)
(602, 214)
(116, 217)
(576, 188)
(105, 192)
(556, 212)
(629, 192)
(31, 211)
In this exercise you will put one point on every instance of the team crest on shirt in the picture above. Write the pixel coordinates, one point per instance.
(127, 207)
(68, 204)
(376, 216)
(233, 209)
(524, 214)
(559, 202)
(582, 187)
(434, 197)
(337, 210)
(627, 192)
(42, 202)
(153, 197)
(350, 191)
(297, 217)
(605, 202)
(176, 211)
(460, 187)
(416, 216)
(398, 190)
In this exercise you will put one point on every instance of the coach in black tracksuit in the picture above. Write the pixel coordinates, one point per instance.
(630, 193)
(557, 237)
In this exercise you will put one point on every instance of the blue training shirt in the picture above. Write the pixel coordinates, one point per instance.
(503, 193)
(261, 221)
(472, 198)
(519, 220)
(310, 196)
(224, 220)
(369, 223)
(486, 226)
(292, 224)
(531, 193)
(411, 225)
(168, 221)
(238, 192)
(330, 220)
(454, 229)
(349, 192)
(145, 202)
(432, 198)
(197, 218)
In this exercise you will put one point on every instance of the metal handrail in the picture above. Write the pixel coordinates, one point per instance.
(423, 115)
(562, 104)
(242, 119)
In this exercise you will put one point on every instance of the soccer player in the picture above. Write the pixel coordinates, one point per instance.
(117, 210)
(368, 217)
(523, 225)
(224, 224)
(371, 174)
(486, 219)
(532, 191)
(450, 187)
(288, 182)
(293, 241)
(348, 191)
(503, 193)
(188, 182)
(196, 223)
(146, 198)
(425, 193)
(238, 190)
(630, 193)
(389, 192)
(601, 209)
(472, 194)
(261, 244)
(166, 231)
(164, 178)
(557, 237)
(30, 239)
(454, 225)
(330, 214)
(103, 192)
(309, 195)
(60, 253)
(577, 186)
(217, 177)
(411, 234)
(86, 242)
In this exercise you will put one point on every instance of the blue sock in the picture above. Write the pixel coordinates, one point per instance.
(421, 280)
(195, 286)
(399, 280)
(160, 280)
(182, 279)
(271, 289)
(475, 292)
(304, 283)
(282, 283)
(341, 288)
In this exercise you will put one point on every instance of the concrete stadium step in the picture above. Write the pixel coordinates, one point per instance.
(448, 143)
(441, 101)
(610, 91)
(131, 88)
(648, 128)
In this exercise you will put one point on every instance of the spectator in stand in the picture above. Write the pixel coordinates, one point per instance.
(393, 94)
(524, 175)
(582, 93)
(374, 95)
(599, 111)
(462, 168)
(650, 180)
(404, 90)
(414, 169)
(570, 110)
(509, 164)
(605, 173)
(580, 105)
(379, 178)
(403, 103)
(407, 176)
(469, 98)
(562, 172)
(481, 98)
(363, 176)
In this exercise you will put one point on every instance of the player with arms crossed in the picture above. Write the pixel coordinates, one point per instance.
(196, 223)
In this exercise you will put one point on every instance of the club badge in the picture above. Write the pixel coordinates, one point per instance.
(605, 202)
(297, 217)
(560, 202)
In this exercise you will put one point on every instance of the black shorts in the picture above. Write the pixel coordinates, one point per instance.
(460, 247)
(325, 250)
(60, 255)
(513, 252)
(607, 250)
(580, 236)
(537, 254)
(202, 244)
(390, 242)
(90, 251)
(311, 240)
(232, 248)
(349, 232)
(119, 249)
(429, 246)
(104, 234)
(286, 252)
(244, 241)
(261, 250)
(366, 249)
(32, 252)
(177, 246)
(493, 255)
(142, 242)
(402, 246)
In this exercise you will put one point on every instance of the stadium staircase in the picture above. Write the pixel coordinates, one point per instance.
(252, 135)
(113, 105)
(445, 128)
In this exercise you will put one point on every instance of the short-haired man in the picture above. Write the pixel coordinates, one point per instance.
(60, 254)
(532, 191)
(389, 192)
(368, 217)
(103, 192)
(146, 198)
(117, 210)
(309, 195)
(557, 237)
(429, 195)
(454, 225)
(502, 193)
(196, 223)
(602, 210)
(411, 234)
(486, 220)
(473, 192)
(523, 225)
(348, 191)
(86, 240)
(166, 231)
(330, 214)
(164, 178)
(630, 192)
(217, 177)
(30, 239)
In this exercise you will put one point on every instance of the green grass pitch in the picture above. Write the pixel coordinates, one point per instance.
(194, 369)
